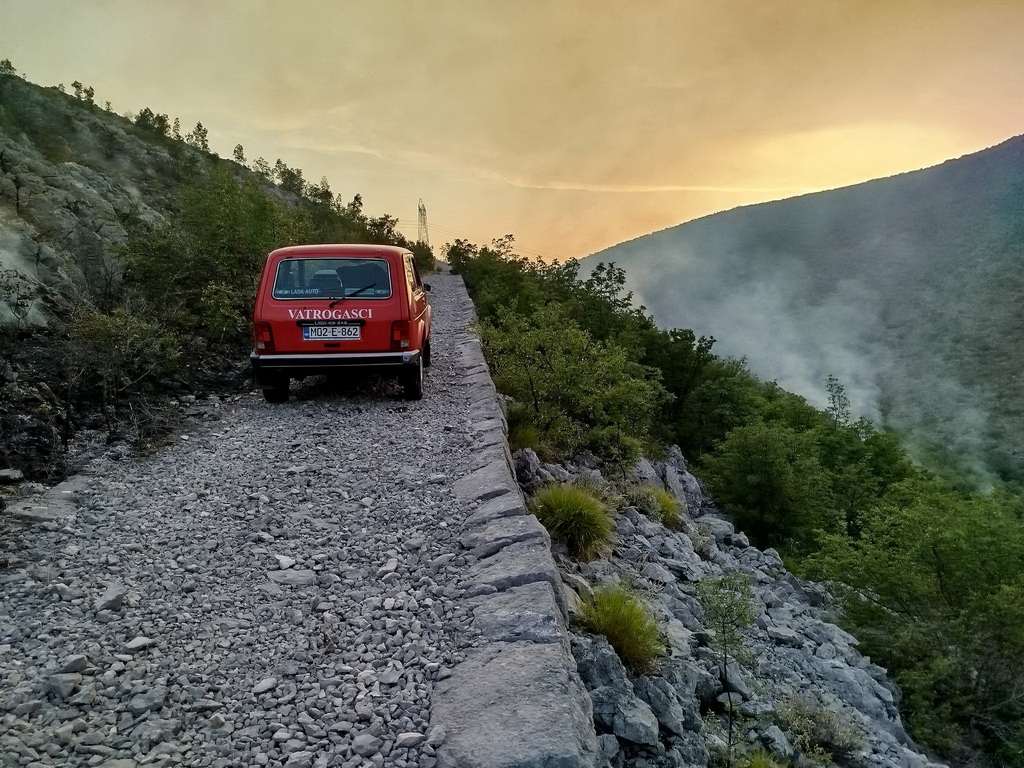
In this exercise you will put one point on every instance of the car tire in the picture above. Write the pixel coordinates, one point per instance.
(426, 354)
(412, 381)
(278, 393)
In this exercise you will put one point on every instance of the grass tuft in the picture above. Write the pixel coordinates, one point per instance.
(657, 503)
(628, 625)
(522, 431)
(575, 517)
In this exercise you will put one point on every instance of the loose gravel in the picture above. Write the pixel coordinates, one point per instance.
(277, 588)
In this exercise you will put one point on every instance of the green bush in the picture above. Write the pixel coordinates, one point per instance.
(574, 517)
(770, 478)
(628, 625)
(582, 393)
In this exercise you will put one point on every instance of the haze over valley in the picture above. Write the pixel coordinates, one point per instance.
(909, 289)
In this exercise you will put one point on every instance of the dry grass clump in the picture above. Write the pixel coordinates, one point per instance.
(657, 503)
(575, 517)
(628, 625)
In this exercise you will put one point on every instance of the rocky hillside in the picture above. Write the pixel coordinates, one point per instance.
(909, 289)
(73, 180)
(797, 686)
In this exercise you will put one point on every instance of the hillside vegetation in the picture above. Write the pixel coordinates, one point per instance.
(910, 289)
(129, 257)
(931, 578)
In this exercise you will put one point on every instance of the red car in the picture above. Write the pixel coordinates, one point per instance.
(324, 308)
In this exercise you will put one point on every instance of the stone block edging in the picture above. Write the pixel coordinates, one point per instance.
(516, 700)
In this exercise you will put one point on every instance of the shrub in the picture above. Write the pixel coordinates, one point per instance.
(657, 503)
(821, 733)
(703, 540)
(669, 508)
(522, 432)
(759, 758)
(575, 517)
(582, 393)
(628, 625)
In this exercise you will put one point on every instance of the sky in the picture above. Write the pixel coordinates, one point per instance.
(571, 124)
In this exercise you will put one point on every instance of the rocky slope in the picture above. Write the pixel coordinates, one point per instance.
(802, 690)
(73, 177)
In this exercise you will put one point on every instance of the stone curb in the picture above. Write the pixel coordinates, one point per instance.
(516, 700)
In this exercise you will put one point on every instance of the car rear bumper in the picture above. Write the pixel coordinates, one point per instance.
(269, 369)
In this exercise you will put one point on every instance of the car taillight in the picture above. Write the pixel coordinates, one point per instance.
(262, 337)
(401, 335)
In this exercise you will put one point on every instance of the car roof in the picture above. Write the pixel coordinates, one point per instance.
(339, 249)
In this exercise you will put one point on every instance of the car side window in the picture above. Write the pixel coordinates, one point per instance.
(410, 275)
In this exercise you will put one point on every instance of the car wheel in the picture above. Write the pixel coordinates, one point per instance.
(412, 381)
(426, 354)
(277, 393)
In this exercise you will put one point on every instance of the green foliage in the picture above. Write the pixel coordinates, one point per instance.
(424, 257)
(935, 593)
(119, 355)
(522, 432)
(574, 517)
(7, 68)
(770, 478)
(582, 393)
(728, 608)
(758, 758)
(822, 734)
(628, 625)
(148, 120)
(838, 401)
(199, 138)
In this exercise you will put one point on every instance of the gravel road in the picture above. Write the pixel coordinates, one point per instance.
(278, 587)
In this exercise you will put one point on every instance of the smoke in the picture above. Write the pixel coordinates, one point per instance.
(760, 317)
(800, 295)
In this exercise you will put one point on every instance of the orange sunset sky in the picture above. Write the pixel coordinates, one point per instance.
(572, 125)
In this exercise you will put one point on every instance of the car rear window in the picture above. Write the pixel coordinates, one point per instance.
(332, 278)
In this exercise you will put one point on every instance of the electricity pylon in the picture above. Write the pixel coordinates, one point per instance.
(422, 236)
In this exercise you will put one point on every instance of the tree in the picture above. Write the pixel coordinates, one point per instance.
(728, 608)
(176, 129)
(149, 120)
(838, 402)
(78, 89)
(934, 591)
(289, 179)
(583, 393)
(7, 68)
(198, 138)
(770, 478)
(262, 167)
(239, 154)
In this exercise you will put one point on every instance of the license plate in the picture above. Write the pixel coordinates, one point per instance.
(331, 332)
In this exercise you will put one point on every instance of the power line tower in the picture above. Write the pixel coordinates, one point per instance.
(422, 236)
